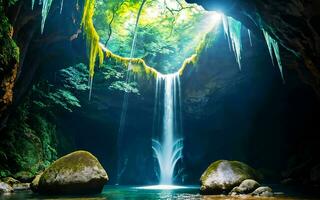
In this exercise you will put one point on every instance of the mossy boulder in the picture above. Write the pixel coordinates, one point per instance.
(223, 175)
(76, 173)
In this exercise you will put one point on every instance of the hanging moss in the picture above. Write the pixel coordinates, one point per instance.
(138, 65)
(91, 35)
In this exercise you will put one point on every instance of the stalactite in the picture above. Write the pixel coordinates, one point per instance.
(232, 29)
(61, 6)
(32, 4)
(273, 47)
(46, 4)
(250, 37)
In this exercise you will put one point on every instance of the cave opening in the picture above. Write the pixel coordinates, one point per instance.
(177, 92)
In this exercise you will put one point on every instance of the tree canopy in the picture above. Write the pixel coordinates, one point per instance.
(169, 32)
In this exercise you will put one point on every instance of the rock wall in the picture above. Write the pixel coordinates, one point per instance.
(293, 23)
(9, 61)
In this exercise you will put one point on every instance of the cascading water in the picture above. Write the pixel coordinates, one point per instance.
(168, 145)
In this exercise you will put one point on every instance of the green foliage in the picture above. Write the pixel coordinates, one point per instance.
(46, 96)
(8, 48)
(29, 140)
(75, 77)
(29, 143)
(108, 78)
(125, 87)
(12, 2)
(169, 31)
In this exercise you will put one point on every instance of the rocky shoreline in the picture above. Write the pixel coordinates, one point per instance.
(81, 173)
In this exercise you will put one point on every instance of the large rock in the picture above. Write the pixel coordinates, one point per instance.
(222, 176)
(263, 192)
(11, 181)
(5, 188)
(247, 186)
(76, 173)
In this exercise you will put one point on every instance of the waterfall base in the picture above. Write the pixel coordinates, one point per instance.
(162, 187)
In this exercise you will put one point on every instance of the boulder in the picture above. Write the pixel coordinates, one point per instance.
(24, 176)
(263, 192)
(10, 181)
(222, 176)
(247, 186)
(5, 188)
(76, 173)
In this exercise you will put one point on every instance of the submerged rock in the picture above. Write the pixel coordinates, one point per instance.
(5, 188)
(247, 186)
(222, 176)
(76, 173)
(263, 192)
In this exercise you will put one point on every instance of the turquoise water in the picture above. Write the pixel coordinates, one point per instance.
(138, 193)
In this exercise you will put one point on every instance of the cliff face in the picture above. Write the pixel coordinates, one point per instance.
(9, 60)
(293, 23)
(25, 52)
(26, 55)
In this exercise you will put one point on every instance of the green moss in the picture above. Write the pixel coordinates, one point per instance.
(74, 162)
(238, 167)
(9, 58)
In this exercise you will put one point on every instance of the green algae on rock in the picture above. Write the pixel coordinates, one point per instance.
(76, 173)
(223, 175)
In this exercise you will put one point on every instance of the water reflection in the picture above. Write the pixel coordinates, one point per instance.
(138, 193)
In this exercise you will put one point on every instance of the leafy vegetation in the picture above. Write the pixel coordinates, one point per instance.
(168, 33)
(33, 128)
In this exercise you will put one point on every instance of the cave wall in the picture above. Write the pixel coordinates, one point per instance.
(293, 23)
(9, 61)
(27, 57)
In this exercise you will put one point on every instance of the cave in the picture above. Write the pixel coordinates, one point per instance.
(145, 99)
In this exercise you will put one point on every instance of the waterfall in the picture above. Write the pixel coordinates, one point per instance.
(168, 145)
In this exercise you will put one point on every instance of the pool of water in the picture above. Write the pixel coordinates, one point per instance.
(149, 193)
